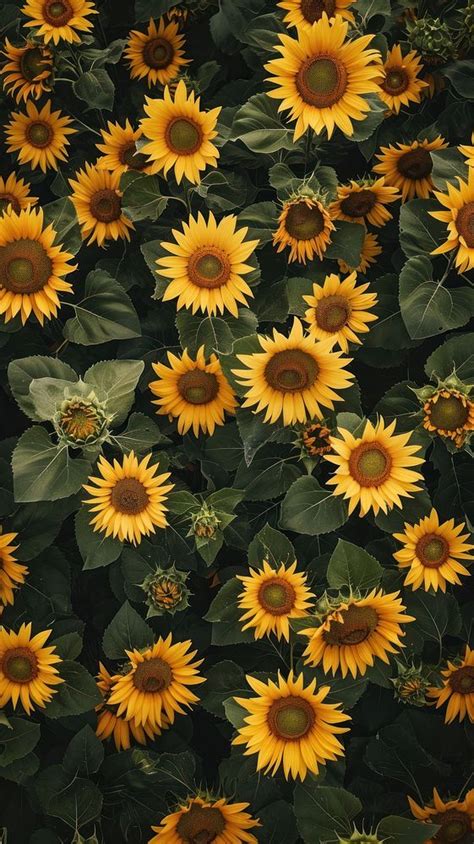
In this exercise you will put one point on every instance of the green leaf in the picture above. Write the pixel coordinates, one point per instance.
(76, 801)
(449, 165)
(96, 549)
(346, 242)
(351, 566)
(21, 770)
(212, 332)
(105, 313)
(221, 679)
(61, 214)
(47, 394)
(23, 371)
(266, 478)
(142, 199)
(234, 712)
(140, 435)
(255, 433)
(309, 509)
(395, 830)
(278, 824)
(17, 739)
(68, 646)
(114, 382)
(224, 613)
(95, 88)
(258, 126)
(461, 76)
(427, 307)
(436, 616)
(271, 545)
(364, 129)
(368, 9)
(323, 813)
(126, 631)
(419, 232)
(84, 754)
(43, 471)
(456, 353)
(261, 220)
(146, 9)
(76, 695)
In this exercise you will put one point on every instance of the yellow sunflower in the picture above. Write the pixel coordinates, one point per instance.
(357, 632)
(339, 311)
(39, 137)
(321, 77)
(457, 689)
(180, 134)
(157, 686)
(364, 202)
(28, 71)
(59, 20)
(206, 265)
(431, 551)
(454, 817)
(289, 725)
(372, 470)
(401, 84)
(459, 215)
(12, 573)
(194, 392)
(110, 724)
(32, 269)
(15, 194)
(129, 498)
(468, 152)
(449, 414)
(293, 377)
(28, 670)
(271, 597)
(156, 54)
(98, 203)
(206, 820)
(120, 151)
(303, 13)
(305, 226)
(408, 166)
(370, 249)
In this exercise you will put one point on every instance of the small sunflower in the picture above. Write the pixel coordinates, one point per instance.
(321, 77)
(120, 151)
(289, 725)
(156, 55)
(459, 215)
(454, 817)
(28, 670)
(12, 573)
(355, 633)
(339, 311)
(293, 377)
(59, 20)
(180, 134)
(303, 13)
(98, 203)
(206, 820)
(128, 499)
(157, 686)
(449, 414)
(305, 226)
(28, 70)
(364, 202)
(408, 167)
(468, 152)
(110, 724)
(457, 689)
(15, 194)
(370, 250)
(271, 597)
(194, 392)
(39, 137)
(207, 264)
(372, 470)
(314, 439)
(401, 84)
(32, 269)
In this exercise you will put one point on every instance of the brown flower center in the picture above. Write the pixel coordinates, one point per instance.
(200, 825)
(291, 371)
(370, 464)
(133, 159)
(7, 199)
(276, 596)
(462, 680)
(158, 53)
(332, 313)
(321, 81)
(290, 718)
(396, 81)
(198, 387)
(152, 675)
(129, 496)
(465, 224)
(209, 267)
(415, 164)
(312, 10)
(356, 626)
(358, 203)
(39, 134)
(183, 136)
(455, 827)
(303, 221)
(448, 413)
(33, 63)
(57, 12)
(25, 266)
(105, 205)
(19, 665)
(432, 550)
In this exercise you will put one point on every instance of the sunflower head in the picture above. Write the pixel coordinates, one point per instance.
(82, 421)
(361, 838)
(12, 573)
(448, 409)
(204, 818)
(156, 55)
(458, 214)
(15, 195)
(28, 669)
(314, 439)
(339, 310)
(454, 817)
(305, 226)
(59, 20)
(205, 522)
(401, 84)
(303, 13)
(433, 39)
(27, 71)
(271, 597)
(457, 690)
(166, 591)
(411, 685)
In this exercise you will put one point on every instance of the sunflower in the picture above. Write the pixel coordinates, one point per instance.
(339, 311)
(120, 151)
(455, 818)
(206, 820)
(206, 265)
(408, 166)
(156, 687)
(129, 498)
(28, 70)
(289, 724)
(431, 551)
(32, 269)
(15, 194)
(355, 632)
(180, 134)
(156, 55)
(303, 13)
(370, 249)
(449, 414)
(194, 392)
(468, 152)
(457, 689)
(364, 201)
(314, 439)
(27, 669)
(271, 597)
(98, 203)
(59, 20)
(39, 137)
(111, 724)
(321, 77)
(459, 215)
(401, 84)
(305, 226)
(372, 470)
(12, 574)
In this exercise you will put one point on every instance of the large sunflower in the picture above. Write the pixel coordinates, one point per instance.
(120, 151)
(305, 226)
(59, 20)
(408, 167)
(303, 13)
(356, 632)
(293, 377)
(28, 670)
(194, 392)
(156, 54)
(401, 84)
(98, 203)
(206, 265)
(449, 414)
(457, 689)
(271, 597)
(39, 137)
(454, 817)
(128, 499)
(431, 551)
(289, 725)
(109, 723)
(321, 77)
(364, 201)
(28, 70)
(180, 134)
(370, 249)
(206, 820)
(15, 194)
(32, 269)
(459, 215)
(157, 686)
(339, 311)
(12, 573)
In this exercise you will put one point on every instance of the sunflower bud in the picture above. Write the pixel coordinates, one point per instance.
(360, 838)
(166, 591)
(81, 421)
(314, 440)
(191, 84)
(79, 839)
(411, 685)
(205, 522)
(433, 39)
(469, 19)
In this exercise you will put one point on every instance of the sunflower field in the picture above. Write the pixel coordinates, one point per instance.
(236, 425)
